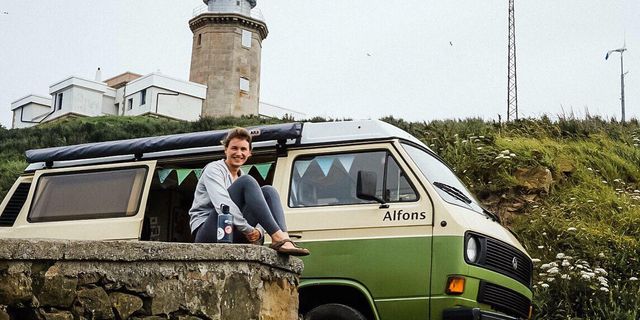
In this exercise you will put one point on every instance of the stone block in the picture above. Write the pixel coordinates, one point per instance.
(57, 289)
(62, 315)
(125, 304)
(166, 297)
(93, 304)
(15, 284)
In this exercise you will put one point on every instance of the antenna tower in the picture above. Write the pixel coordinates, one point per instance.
(512, 83)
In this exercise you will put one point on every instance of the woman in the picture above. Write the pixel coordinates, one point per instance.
(223, 183)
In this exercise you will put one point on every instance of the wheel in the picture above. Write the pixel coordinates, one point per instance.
(334, 311)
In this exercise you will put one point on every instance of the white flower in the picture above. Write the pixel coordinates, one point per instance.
(553, 270)
(600, 255)
(479, 148)
(590, 169)
(545, 266)
(535, 260)
(566, 263)
(565, 276)
(604, 289)
(633, 279)
(505, 152)
(544, 285)
(540, 247)
(586, 277)
(600, 270)
(571, 229)
(589, 201)
(560, 255)
(572, 198)
(544, 233)
(512, 155)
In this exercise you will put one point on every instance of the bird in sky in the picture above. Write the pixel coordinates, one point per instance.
(368, 54)
(4, 12)
(451, 43)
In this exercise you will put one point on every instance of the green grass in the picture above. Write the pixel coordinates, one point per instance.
(587, 223)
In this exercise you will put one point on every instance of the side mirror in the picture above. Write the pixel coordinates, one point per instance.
(366, 186)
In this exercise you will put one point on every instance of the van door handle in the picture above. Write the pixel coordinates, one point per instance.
(295, 236)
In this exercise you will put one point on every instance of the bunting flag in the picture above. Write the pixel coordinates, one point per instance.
(302, 166)
(346, 161)
(263, 169)
(163, 174)
(325, 164)
(183, 174)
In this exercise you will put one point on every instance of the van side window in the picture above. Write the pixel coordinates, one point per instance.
(331, 179)
(88, 195)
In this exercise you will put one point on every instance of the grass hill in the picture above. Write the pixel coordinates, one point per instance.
(569, 188)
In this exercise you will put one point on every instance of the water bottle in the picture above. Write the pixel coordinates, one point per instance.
(225, 225)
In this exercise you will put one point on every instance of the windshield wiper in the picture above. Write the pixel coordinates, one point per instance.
(453, 191)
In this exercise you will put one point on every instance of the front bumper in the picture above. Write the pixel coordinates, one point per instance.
(473, 314)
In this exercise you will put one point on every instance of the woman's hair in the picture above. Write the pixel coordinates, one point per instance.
(237, 133)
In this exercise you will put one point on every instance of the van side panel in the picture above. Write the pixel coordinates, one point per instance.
(394, 270)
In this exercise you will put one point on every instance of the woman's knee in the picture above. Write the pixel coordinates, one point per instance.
(247, 180)
(270, 191)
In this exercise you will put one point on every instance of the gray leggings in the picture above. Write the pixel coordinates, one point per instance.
(258, 205)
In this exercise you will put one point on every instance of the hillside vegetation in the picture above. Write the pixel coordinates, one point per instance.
(569, 188)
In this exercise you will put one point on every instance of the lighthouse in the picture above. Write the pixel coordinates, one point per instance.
(227, 45)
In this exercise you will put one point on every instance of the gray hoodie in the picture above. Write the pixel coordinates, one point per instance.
(211, 192)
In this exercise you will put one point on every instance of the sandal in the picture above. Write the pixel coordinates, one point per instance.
(296, 251)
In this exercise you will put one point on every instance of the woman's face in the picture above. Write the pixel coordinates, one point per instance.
(238, 152)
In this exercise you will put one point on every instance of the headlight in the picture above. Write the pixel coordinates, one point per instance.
(473, 249)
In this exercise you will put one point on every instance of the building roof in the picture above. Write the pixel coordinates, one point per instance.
(252, 2)
(32, 98)
(289, 133)
(122, 79)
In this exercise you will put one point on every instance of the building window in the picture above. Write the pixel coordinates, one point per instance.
(246, 38)
(58, 102)
(130, 103)
(143, 97)
(244, 85)
(199, 42)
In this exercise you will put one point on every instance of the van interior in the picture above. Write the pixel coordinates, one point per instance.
(171, 194)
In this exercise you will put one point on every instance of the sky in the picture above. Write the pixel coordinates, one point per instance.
(418, 60)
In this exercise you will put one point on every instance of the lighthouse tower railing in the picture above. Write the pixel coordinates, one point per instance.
(255, 13)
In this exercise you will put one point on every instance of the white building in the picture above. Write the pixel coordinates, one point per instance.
(29, 110)
(127, 94)
(157, 94)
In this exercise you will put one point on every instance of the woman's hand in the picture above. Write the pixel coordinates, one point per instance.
(253, 236)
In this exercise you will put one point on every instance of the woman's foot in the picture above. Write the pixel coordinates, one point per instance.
(287, 246)
(283, 244)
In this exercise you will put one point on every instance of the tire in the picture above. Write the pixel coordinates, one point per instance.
(334, 311)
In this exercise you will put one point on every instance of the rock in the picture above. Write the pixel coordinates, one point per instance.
(4, 315)
(15, 284)
(565, 165)
(188, 318)
(57, 290)
(125, 304)
(93, 304)
(534, 179)
(281, 305)
(237, 299)
(166, 297)
(63, 315)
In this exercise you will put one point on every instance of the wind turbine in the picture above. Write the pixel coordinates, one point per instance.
(622, 73)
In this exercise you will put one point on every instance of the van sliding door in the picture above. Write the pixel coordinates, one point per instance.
(102, 202)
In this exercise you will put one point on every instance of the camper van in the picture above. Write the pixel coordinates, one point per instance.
(393, 233)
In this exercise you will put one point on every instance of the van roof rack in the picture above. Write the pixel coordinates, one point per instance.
(276, 132)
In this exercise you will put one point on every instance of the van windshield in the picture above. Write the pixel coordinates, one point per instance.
(448, 186)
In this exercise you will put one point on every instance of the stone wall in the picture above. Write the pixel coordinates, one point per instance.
(60, 280)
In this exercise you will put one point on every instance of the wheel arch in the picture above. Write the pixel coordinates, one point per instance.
(315, 292)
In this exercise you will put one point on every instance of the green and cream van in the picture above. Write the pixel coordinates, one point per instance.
(393, 232)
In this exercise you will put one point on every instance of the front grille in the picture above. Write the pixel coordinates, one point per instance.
(504, 300)
(499, 257)
(11, 211)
